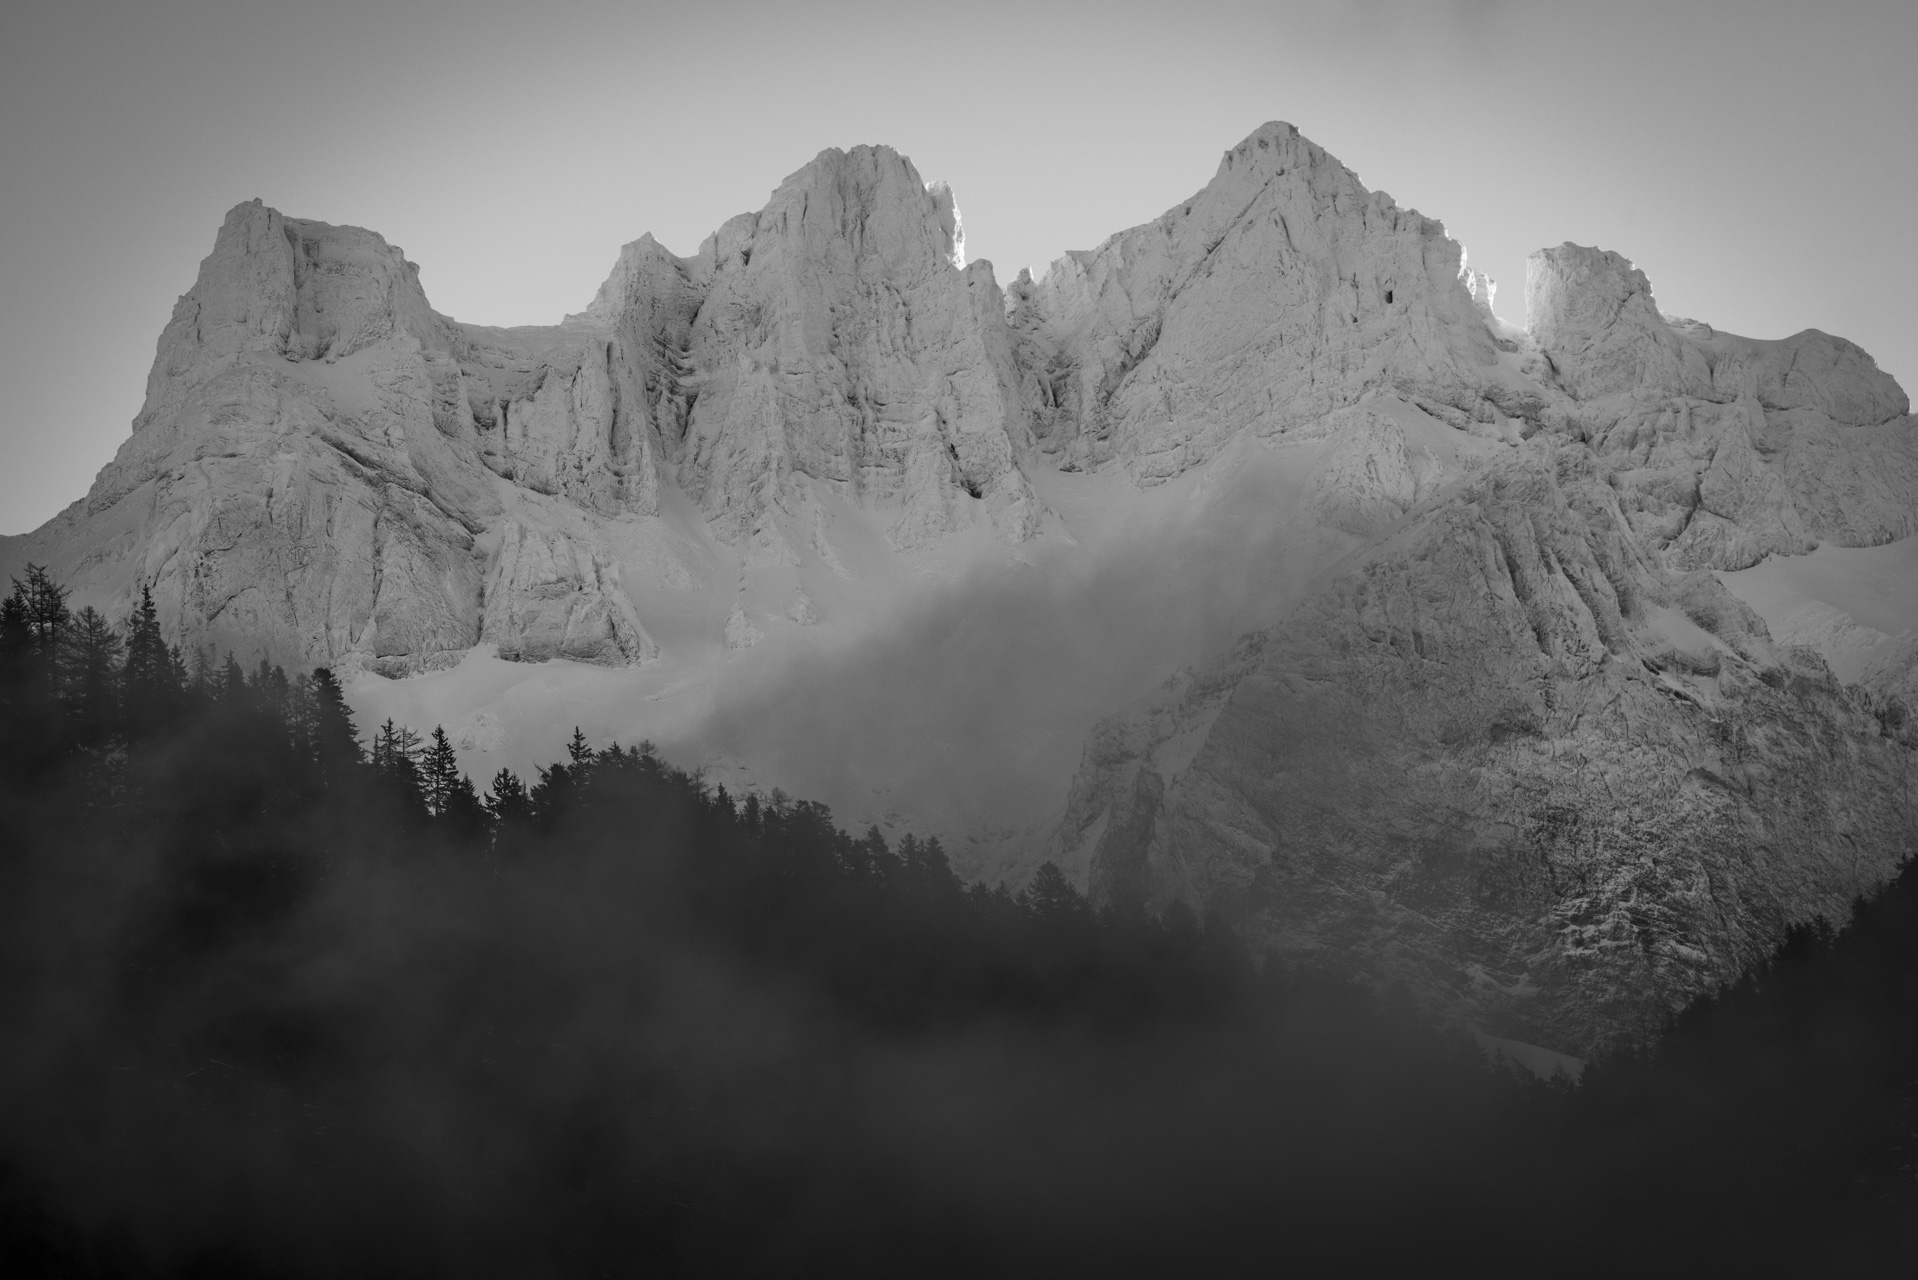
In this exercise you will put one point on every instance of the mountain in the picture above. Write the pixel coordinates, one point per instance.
(1248, 560)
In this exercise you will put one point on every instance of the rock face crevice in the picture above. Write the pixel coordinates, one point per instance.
(1520, 750)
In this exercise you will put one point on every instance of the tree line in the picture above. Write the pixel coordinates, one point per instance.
(282, 1002)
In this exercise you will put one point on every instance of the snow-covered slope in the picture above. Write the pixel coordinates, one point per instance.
(1408, 616)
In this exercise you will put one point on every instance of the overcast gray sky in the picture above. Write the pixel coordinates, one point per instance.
(1755, 157)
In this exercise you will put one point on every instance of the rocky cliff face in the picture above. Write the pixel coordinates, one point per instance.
(843, 340)
(327, 470)
(1508, 758)
(1523, 753)
(297, 480)
(1281, 292)
(1520, 749)
(1730, 449)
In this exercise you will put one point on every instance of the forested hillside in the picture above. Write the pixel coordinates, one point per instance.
(278, 1004)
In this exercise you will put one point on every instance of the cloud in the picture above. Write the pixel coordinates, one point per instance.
(970, 711)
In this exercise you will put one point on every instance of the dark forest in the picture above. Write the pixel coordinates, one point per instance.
(276, 1004)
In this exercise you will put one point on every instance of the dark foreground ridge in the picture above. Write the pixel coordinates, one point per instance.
(274, 1008)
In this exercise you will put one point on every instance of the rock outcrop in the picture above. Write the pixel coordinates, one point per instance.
(327, 470)
(1729, 449)
(843, 340)
(1522, 755)
(297, 482)
(1282, 292)
(1509, 759)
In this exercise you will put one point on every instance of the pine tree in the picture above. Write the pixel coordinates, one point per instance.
(331, 737)
(508, 802)
(25, 704)
(45, 605)
(440, 774)
(924, 866)
(577, 752)
(16, 646)
(34, 622)
(38, 621)
(554, 793)
(1050, 895)
(937, 866)
(202, 673)
(868, 858)
(149, 680)
(396, 753)
(270, 689)
(230, 684)
(465, 812)
(89, 665)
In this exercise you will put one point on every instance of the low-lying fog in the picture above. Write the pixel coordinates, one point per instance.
(954, 698)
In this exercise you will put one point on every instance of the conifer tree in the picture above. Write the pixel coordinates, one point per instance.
(44, 602)
(202, 673)
(149, 680)
(16, 645)
(331, 737)
(465, 812)
(507, 801)
(554, 793)
(230, 685)
(1050, 895)
(440, 773)
(577, 751)
(924, 866)
(937, 866)
(89, 662)
(868, 858)
(270, 688)
(38, 619)
(396, 753)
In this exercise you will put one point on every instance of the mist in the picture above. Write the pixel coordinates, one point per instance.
(965, 712)
(273, 1008)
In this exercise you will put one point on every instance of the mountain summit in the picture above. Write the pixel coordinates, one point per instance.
(1247, 560)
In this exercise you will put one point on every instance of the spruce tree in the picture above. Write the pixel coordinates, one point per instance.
(331, 737)
(149, 681)
(507, 801)
(554, 793)
(439, 774)
(923, 865)
(202, 673)
(1050, 895)
(465, 812)
(937, 866)
(270, 688)
(230, 686)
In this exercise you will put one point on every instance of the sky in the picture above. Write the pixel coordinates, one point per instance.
(1754, 157)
